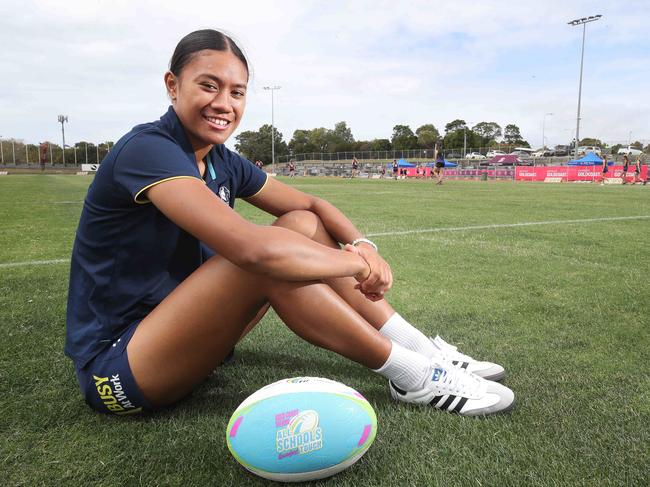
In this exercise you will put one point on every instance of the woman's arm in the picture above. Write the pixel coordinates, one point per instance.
(267, 250)
(278, 198)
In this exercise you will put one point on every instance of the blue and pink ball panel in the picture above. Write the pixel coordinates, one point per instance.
(301, 432)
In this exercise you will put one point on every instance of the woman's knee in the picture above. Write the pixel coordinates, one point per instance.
(304, 222)
(308, 224)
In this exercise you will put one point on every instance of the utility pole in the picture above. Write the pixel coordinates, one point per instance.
(543, 127)
(583, 21)
(62, 119)
(272, 89)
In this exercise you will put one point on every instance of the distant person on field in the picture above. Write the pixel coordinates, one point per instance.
(626, 164)
(395, 169)
(439, 169)
(166, 277)
(258, 164)
(637, 171)
(355, 167)
(382, 172)
(603, 175)
(292, 169)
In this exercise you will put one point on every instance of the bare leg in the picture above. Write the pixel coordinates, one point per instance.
(307, 223)
(190, 332)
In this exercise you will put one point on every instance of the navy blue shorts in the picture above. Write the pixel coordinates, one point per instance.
(107, 383)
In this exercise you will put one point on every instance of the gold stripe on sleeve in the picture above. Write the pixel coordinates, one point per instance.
(259, 190)
(144, 201)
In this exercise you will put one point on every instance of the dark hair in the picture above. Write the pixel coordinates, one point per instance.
(198, 41)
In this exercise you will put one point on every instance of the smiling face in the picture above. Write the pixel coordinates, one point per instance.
(209, 97)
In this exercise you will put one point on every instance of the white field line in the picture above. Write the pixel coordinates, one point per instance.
(408, 232)
(506, 225)
(34, 262)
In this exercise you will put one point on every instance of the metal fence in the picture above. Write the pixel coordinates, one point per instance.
(412, 155)
(382, 170)
(17, 153)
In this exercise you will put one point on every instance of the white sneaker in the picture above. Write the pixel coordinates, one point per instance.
(458, 391)
(449, 354)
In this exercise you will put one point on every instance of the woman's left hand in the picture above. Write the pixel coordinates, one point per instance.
(380, 279)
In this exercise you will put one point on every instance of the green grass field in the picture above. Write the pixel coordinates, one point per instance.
(563, 306)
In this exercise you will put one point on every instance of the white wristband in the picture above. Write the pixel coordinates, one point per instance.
(364, 240)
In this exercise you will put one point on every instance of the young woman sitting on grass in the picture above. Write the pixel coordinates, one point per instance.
(166, 278)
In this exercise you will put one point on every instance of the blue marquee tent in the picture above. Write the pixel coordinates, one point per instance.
(590, 159)
(402, 163)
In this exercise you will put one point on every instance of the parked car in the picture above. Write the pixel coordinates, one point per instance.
(474, 155)
(561, 150)
(543, 153)
(453, 155)
(520, 153)
(585, 149)
(494, 153)
(629, 151)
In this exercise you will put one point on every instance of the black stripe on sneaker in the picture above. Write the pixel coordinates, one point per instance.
(448, 402)
(397, 389)
(460, 405)
(435, 400)
(454, 362)
(464, 366)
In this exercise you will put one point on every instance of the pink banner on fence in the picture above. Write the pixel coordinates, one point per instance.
(465, 173)
(576, 173)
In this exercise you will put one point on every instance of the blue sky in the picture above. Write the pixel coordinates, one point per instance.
(374, 64)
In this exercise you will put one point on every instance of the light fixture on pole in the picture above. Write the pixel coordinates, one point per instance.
(583, 21)
(62, 119)
(543, 127)
(272, 89)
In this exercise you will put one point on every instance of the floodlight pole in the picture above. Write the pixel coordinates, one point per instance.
(543, 127)
(583, 21)
(272, 89)
(2, 153)
(62, 119)
(464, 141)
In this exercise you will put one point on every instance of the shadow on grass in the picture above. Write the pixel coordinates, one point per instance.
(230, 384)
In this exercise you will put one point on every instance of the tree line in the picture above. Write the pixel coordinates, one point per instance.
(256, 144)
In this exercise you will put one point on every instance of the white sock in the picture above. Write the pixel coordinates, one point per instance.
(401, 331)
(408, 370)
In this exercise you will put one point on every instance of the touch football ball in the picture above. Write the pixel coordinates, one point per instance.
(300, 429)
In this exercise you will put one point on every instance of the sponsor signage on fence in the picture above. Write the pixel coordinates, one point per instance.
(576, 173)
(465, 173)
(474, 173)
(89, 167)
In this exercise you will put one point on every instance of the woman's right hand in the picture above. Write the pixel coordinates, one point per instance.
(376, 290)
(365, 270)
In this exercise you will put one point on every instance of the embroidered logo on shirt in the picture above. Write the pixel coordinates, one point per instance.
(224, 194)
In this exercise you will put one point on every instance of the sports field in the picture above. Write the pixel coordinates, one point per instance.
(551, 281)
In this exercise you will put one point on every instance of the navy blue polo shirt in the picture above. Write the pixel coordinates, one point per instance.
(128, 256)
